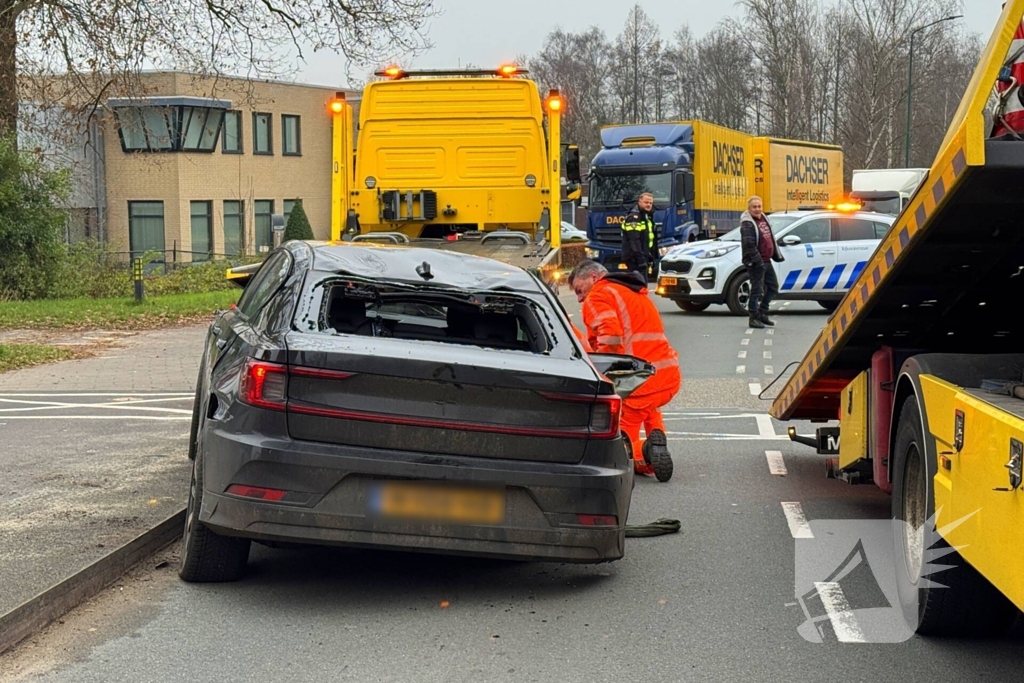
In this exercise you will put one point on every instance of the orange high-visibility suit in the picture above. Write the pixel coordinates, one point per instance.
(621, 318)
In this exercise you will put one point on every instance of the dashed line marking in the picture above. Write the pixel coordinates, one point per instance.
(844, 623)
(769, 370)
(798, 526)
(741, 369)
(764, 425)
(748, 332)
(767, 342)
(770, 331)
(767, 355)
(755, 388)
(775, 463)
(744, 342)
(743, 354)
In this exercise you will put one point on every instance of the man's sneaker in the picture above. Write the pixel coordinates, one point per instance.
(756, 323)
(642, 468)
(763, 317)
(655, 452)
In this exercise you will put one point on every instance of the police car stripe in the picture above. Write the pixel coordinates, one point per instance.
(834, 276)
(791, 279)
(856, 273)
(812, 279)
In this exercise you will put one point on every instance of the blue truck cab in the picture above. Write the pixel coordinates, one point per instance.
(655, 158)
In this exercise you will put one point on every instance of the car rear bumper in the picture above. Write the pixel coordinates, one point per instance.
(330, 487)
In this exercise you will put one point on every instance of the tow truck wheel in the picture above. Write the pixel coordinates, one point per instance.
(692, 306)
(955, 601)
(205, 555)
(737, 295)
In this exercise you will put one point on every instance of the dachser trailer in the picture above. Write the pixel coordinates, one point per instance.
(922, 365)
(789, 174)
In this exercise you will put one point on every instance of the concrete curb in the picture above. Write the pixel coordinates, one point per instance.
(35, 614)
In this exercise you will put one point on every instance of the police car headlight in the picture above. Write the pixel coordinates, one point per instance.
(719, 251)
(664, 250)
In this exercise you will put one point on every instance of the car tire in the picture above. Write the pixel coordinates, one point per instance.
(737, 294)
(193, 432)
(692, 306)
(207, 556)
(829, 306)
(963, 602)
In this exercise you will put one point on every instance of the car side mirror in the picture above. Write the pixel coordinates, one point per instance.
(684, 188)
(789, 241)
(572, 164)
(628, 373)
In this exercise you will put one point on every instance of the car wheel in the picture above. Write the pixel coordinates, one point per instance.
(205, 555)
(737, 296)
(193, 432)
(692, 306)
(962, 601)
(829, 306)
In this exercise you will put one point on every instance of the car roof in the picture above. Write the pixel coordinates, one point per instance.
(399, 263)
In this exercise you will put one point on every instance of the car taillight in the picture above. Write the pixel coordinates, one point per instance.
(264, 385)
(604, 417)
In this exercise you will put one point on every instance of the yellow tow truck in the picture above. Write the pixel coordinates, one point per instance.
(922, 363)
(466, 160)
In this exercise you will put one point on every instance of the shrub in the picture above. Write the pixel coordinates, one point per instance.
(298, 227)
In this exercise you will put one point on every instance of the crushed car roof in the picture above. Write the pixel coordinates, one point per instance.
(399, 264)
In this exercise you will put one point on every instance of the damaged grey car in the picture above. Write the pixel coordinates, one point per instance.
(406, 399)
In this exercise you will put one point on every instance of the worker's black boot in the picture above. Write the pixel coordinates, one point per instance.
(763, 317)
(655, 451)
(755, 322)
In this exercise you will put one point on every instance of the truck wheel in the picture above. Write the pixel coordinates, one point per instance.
(963, 602)
(692, 306)
(205, 555)
(829, 306)
(737, 295)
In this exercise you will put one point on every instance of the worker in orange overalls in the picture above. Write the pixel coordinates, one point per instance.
(621, 318)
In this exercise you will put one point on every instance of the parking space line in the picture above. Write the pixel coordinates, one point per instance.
(741, 369)
(769, 370)
(844, 623)
(764, 424)
(775, 463)
(748, 332)
(743, 354)
(755, 388)
(798, 526)
(770, 332)
(744, 342)
(767, 355)
(767, 342)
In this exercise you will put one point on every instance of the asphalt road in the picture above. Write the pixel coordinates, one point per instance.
(717, 602)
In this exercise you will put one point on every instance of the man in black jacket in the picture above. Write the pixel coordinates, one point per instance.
(638, 238)
(759, 250)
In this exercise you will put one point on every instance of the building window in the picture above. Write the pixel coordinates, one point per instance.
(264, 232)
(169, 124)
(146, 129)
(262, 140)
(234, 227)
(146, 228)
(231, 139)
(289, 204)
(200, 127)
(291, 135)
(202, 230)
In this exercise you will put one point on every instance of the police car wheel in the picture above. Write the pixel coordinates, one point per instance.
(692, 306)
(738, 294)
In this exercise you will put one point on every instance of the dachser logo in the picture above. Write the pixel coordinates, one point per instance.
(728, 159)
(806, 170)
(612, 220)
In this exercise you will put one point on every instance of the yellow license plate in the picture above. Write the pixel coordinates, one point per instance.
(670, 281)
(442, 504)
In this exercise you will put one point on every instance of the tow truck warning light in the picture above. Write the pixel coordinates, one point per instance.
(554, 101)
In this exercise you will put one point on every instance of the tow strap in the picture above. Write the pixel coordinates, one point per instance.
(659, 527)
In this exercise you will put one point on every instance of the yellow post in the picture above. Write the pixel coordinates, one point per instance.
(341, 157)
(555, 105)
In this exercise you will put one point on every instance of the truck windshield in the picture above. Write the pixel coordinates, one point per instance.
(618, 190)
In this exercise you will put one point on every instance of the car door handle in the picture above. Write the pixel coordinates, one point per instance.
(216, 329)
(828, 251)
(221, 343)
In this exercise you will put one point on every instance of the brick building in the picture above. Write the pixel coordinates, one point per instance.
(197, 167)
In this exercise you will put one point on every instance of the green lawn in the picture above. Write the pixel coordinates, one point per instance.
(156, 311)
(15, 356)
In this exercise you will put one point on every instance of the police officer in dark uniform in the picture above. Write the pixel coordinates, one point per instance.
(638, 238)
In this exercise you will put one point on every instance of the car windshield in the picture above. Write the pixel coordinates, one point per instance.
(777, 222)
(890, 206)
(619, 190)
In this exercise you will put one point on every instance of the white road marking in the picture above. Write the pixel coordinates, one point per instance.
(769, 370)
(844, 623)
(94, 395)
(709, 416)
(748, 332)
(755, 389)
(767, 355)
(775, 463)
(767, 342)
(772, 332)
(711, 436)
(798, 526)
(743, 354)
(123, 418)
(741, 369)
(764, 425)
(53, 405)
(744, 342)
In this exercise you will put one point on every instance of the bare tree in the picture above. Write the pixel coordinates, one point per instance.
(681, 60)
(724, 83)
(93, 49)
(637, 57)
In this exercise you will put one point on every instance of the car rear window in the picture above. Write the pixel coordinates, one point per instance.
(853, 229)
(355, 307)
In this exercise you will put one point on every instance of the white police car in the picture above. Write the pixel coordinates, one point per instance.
(825, 252)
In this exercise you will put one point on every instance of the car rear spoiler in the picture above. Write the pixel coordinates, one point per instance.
(240, 275)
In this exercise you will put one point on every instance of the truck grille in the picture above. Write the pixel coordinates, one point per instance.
(682, 267)
(609, 235)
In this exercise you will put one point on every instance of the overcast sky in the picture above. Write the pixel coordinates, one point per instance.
(490, 32)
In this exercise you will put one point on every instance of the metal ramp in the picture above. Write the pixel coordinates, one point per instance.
(949, 276)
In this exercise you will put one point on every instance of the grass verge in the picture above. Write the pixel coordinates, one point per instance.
(17, 356)
(114, 314)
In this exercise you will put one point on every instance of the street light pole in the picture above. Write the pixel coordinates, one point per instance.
(910, 83)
